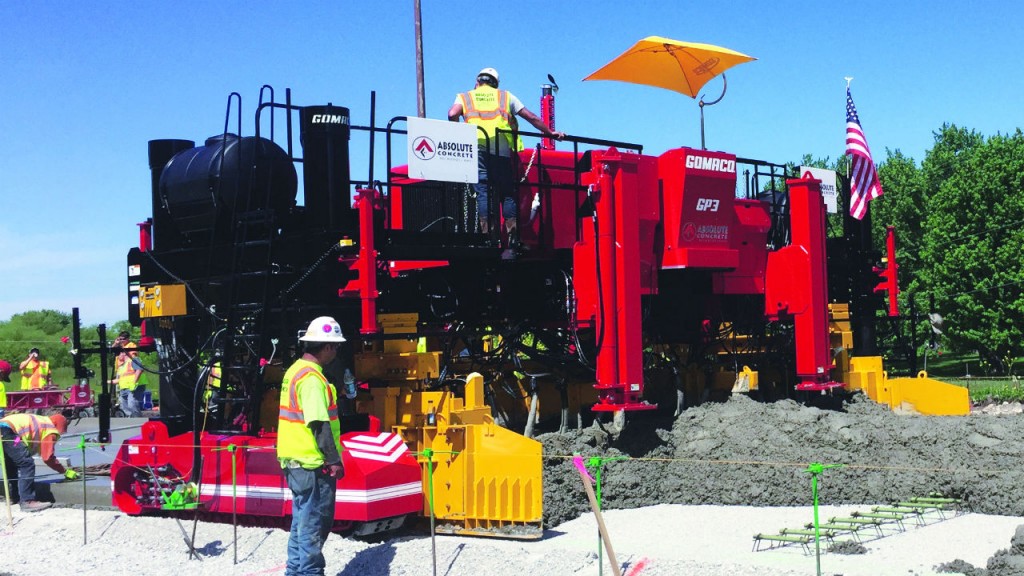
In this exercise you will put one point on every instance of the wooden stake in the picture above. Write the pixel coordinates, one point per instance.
(600, 521)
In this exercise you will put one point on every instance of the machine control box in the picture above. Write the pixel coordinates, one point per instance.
(162, 300)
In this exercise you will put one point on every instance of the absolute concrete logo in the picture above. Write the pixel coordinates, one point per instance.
(424, 148)
(443, 151)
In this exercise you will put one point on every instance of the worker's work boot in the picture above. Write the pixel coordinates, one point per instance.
(512, 243)
(34, 506)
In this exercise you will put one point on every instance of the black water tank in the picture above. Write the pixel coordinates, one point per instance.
(325, 169)
(204, 189)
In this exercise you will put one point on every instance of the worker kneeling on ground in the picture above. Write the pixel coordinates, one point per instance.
(27, 434)
(309, 447)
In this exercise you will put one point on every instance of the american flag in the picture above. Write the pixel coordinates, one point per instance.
(864, 184)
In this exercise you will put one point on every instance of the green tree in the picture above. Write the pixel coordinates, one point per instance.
(48, 330)
(36, 329)
(972, 240)
(900, 207)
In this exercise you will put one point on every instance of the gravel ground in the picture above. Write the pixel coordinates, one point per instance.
(663, 540)
(685, 498)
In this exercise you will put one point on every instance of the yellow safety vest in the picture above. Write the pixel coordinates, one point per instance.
(295, 440)
(488, 108)
(125, 370)
(33, 375)
(31, 429)
(3, 395)
(212, 381)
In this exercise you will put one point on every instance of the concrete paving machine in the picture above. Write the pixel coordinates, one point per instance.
(640, 283)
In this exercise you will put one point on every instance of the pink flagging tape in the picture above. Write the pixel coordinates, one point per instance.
(638, 568)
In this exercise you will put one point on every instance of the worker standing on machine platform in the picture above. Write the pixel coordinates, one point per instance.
(491, 109)
(24, 435)
(308, 446)
(35, 372)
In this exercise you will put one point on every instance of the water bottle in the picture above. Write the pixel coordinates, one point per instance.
(349, 384)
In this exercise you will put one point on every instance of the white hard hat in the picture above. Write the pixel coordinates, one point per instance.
(323, 329)
(489, 72)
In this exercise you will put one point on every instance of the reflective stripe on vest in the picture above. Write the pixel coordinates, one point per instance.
(31, 428)
(125, 371)
(33, 375)
(292, 412)
(487, 108)
(214, 378)
(212, 381)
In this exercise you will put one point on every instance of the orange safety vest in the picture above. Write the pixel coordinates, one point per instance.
(34, 375)
(124, 369)
(31, 429)
(488, 108)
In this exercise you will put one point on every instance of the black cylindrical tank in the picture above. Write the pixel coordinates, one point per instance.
(160, 152)
(205, 189)
(325, 169)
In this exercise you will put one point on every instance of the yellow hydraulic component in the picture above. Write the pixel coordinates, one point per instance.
(746, 380)
(487, 479)
(399, 324)
(922, 395)
(840, 338)
(409, 366)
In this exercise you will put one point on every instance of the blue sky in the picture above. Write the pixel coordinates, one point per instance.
(87, 84)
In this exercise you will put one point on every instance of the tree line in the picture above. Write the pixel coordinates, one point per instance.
(959, 222)
(50, 331)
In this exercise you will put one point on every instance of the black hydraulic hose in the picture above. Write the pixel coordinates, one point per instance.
(197, 456)
(319, 262)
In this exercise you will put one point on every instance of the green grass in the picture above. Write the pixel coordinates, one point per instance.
(996, 389)
(969, 371)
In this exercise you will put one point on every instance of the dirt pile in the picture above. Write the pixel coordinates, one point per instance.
(743, 452)
(1009, 562)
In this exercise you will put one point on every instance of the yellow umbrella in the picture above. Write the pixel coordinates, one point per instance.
(683, 67)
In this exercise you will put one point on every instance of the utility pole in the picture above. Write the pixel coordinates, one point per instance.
(421, 99)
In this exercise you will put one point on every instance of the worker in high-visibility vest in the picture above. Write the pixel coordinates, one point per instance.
(35, 372)
(308, 446)
(24, 435)
(5, 377)
(127, 375)
(491, 109)
(211, 396)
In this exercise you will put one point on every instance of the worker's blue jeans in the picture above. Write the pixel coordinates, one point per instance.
(495, 172)
(19, 460)
(312, 519)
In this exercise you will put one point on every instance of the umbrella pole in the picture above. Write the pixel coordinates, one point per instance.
(701, 105)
